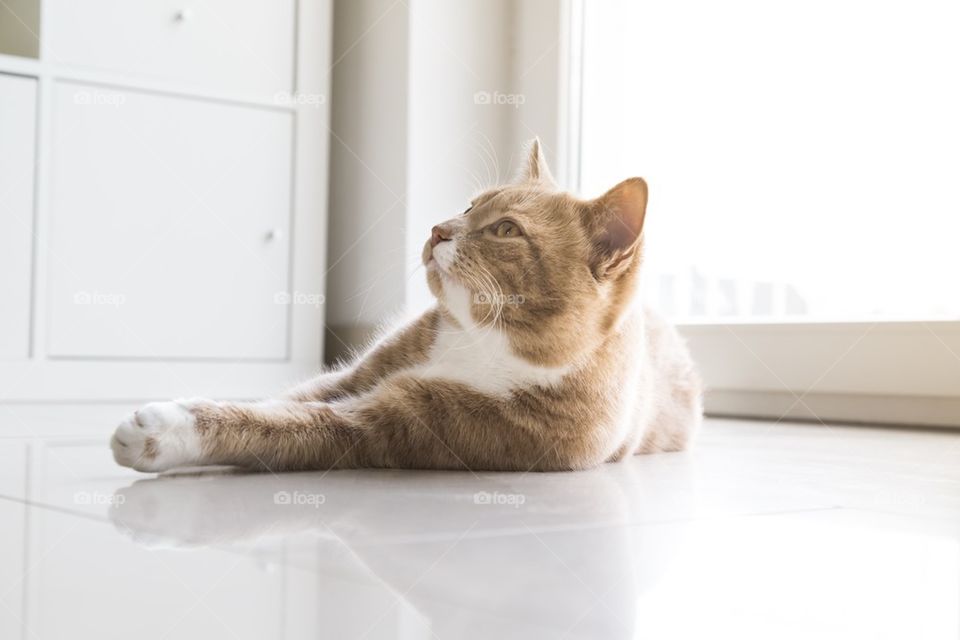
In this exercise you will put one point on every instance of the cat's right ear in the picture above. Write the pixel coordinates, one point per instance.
(535, 169)
(614, 222)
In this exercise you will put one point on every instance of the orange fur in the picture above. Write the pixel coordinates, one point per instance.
(536, 357)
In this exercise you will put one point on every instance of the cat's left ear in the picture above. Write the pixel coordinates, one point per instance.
(535, 169)
(614, 222)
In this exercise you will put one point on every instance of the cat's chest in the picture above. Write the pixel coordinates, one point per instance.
(482, 358)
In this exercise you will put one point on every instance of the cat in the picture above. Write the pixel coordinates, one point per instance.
(538, 356)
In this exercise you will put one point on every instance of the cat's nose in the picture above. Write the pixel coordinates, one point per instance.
(439, 234)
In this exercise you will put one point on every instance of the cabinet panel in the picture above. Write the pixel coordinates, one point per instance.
(211, 43)
(169, 227)
(17, 171)
(13, 543)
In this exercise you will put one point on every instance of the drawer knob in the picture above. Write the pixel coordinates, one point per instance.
(183, 15)
(274, 234)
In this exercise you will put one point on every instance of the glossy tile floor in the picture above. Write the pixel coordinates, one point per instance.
(763, 531)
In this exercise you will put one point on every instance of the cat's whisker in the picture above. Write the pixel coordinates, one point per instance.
(497, 293)
(476, 182)
(491, 156)
(481, 287)
(491, 152)
(477, 283)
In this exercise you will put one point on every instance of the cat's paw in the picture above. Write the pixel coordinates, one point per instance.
(158, 436)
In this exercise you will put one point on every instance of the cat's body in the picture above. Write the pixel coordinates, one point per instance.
(536, 357)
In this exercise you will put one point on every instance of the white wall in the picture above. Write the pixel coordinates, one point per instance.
(368, 154)
(541, 72)
(460, 53)
(436, 100)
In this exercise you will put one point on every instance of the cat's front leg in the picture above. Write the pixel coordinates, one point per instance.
(274, 435)
(160, 436)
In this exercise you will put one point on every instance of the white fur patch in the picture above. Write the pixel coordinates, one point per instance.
(480, 357)
(458, 301)
(445, 254)
(172, 428)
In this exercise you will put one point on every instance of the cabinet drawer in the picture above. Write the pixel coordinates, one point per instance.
(216, 44)
(17, 164)
(169, 221)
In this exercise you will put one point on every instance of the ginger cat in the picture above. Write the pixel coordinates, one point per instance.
(537, 356)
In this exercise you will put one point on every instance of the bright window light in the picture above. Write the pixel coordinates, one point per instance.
(803, 158)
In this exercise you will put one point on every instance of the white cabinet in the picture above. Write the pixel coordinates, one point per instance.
(169, 223)
(162, 210)
(214, 44)
(17, 166)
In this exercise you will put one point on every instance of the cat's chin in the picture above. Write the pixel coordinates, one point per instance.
(437, 280)
(434, 265)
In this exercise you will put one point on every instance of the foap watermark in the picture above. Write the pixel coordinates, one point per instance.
(98, 497)
(514, 500)
(99, 298)
(299, 498)
(299, 298)
(99, 98)
(499, 299)
(498, 98)
(899, 500)
(287, 99)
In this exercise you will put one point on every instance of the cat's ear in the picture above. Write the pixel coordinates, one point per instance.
(535, 168)
(614, 223)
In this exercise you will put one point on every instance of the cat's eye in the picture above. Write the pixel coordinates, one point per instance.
(506, 229)
(467, 210)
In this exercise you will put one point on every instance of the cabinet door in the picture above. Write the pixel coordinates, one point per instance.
(169, 226)
(221, 44)
(17, 168)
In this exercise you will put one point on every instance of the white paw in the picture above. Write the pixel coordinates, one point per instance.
(157, 437)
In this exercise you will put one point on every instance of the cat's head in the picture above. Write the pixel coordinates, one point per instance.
(554, 272)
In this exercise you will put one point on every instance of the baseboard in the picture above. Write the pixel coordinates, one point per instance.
(836, 407)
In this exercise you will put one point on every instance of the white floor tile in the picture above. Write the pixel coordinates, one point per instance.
(787, 531)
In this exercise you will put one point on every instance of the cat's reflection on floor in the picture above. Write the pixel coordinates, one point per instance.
(496, 550)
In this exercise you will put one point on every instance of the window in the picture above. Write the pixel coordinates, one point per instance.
(804, 168)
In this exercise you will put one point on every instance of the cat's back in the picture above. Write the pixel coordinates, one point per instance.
(672, 388)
